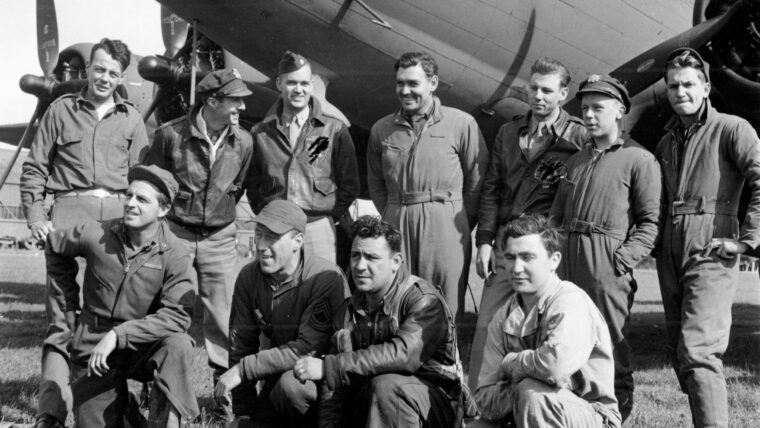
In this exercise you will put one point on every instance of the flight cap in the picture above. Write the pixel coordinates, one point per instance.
(223, 83)
(606, 85)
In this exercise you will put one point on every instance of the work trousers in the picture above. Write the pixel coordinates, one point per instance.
(496, 291)
(540, 405)
(395, 400)
(588, 260)
(320, 238)
(54, 396)
(698, 290)
(214, 258)
(283, 402)
(101, 401)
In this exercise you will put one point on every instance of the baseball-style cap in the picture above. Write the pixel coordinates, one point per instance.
(280, 216)
(161, 178)
(692, 53)
(223, 83)
(606, 85)
(291, 62)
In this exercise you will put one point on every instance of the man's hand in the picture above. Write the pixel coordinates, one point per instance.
(227, 382)
(483, 260)
(309, 368)
(41, 229)
(97, 364)
(510, 368)
(725, 247)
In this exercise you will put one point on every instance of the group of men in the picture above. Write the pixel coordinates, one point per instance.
(550, 347)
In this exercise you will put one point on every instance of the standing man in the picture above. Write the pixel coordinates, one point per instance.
(527, 159)
(84, 146)
(394, 361)
(608, 205)
(209, 155)
(306, 156)
(137, 297)
(548, 357)
(425, 164)
(705, 156)
(291, 296)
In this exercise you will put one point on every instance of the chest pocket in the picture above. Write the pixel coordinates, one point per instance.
(394, 158)
(117, 155)
(69, 147)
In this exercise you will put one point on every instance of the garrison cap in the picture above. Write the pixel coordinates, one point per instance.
(684, 52)
(605, 85)
(291, 62)
(161, 178)
(223, 83)
(280, 216)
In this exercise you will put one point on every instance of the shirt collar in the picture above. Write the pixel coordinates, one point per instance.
(160, 239)
(705, 113)
(202, 126)
(119, 102)
(435, 111)
(555, 127)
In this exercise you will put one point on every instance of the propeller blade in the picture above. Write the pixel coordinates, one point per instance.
(173, 31)
(41, 106)
(47, 35)
(644, 70)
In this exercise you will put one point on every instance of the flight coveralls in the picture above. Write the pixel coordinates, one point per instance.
(512, 187)
(608, 206)
(318, 172)
(145, 297)
(549, 367)
(83, 162)
(203, 216)
(296, 316)
(396, 367)
(428, 185)
(701, 191)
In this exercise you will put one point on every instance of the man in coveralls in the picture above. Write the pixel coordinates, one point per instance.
(209, 155)
(137, 294)
(608, 205)
(291, 296)
(522, 178)
(706, 157)
(302, 154)
(393, 359)
(81, 154)
(425, 165)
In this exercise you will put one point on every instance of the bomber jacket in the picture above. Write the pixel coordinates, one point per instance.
(511, 187)
(74, 150)
(320, 173)
(411, 333)
(208, 194)
(143, 297)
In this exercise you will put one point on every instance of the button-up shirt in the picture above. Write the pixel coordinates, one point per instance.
(213, 143)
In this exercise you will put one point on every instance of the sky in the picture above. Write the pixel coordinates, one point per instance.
(136, 22)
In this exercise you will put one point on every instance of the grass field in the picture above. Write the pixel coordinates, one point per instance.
(658, 400)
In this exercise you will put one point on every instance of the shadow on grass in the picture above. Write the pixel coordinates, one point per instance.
(14, 292)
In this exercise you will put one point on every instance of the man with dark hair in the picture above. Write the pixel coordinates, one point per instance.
(425, 167)
(706, 157)
(303, 154)
(84, 146)
(527, 159)
(548, 357)
(291, 296)
(393, 362)
(209, 155)
(608, 204)
(136, 301)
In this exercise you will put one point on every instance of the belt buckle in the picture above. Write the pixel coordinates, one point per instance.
(100, 193)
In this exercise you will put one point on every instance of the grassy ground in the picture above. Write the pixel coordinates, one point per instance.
(659, 402)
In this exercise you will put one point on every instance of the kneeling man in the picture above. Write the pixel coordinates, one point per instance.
(394, 359)
(548, 357)
(291, 297)
(137, 294)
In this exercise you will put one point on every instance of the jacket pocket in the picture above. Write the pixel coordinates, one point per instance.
(325, 186)
(182, 203)
(69, 147)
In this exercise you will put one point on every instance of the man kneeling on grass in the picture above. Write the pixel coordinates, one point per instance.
(548, 357)
(137, 294)
(394, 351)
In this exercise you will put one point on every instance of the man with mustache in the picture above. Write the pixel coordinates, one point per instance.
(608, 205)
(305, 155)
(527, 159)
(290, 295)
(425, 165)
(209, 154)
(84, 147)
